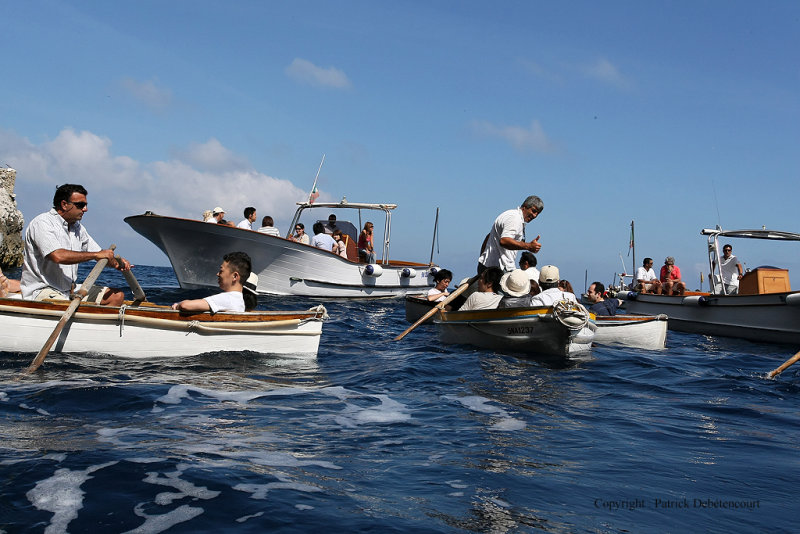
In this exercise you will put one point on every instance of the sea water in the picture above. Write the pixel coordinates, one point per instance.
(412, 436)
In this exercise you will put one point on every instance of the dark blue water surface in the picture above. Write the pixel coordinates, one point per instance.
(411, 436)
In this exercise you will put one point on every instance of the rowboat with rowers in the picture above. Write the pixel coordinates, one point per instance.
(146, 330)
(634, 331)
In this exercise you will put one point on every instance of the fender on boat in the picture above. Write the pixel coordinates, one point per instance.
(373, 270)
(695, 300)
(793, 299)
(408, 273)
(627, 295)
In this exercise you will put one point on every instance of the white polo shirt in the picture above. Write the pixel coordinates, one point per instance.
(46, 233)
(511, 224)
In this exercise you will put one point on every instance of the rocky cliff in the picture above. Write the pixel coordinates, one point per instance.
(11, 222)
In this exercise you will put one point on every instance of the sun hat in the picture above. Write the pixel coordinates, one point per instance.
(252, 283)
(516, 283)
(218, 210)
(548, 274)
(669, 260)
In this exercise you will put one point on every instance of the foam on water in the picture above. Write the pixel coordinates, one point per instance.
(61, 494)
(481, 404)
(162, 522)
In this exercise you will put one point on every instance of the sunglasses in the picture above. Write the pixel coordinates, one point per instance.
(79, 205)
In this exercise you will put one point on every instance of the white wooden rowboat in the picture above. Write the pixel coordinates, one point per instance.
(151, 331)
(285, 267)
(560, 330)
(636, 331)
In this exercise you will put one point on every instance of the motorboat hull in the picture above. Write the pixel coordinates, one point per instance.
(284, 267)
(634, 331)
(771, 317)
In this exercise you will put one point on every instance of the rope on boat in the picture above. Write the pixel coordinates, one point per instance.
(245, 328)
(571, 314)
(321, 312)
(122, 318)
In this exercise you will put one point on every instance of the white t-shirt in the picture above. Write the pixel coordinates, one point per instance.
(323, 241)
(533, 274)
(46, 233)
(644, 274)
(730, 274)
(481, 300)
(510, 223)
(433, 291)
(244, 223)
(228, 301)
(548, 297)
(270, 230)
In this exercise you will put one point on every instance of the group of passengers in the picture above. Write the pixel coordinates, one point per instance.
(501, 285)
(326, 234)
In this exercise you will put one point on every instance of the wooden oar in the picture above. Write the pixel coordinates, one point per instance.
(782, 368)
(133, 283)
(76, 300)
(463, 287)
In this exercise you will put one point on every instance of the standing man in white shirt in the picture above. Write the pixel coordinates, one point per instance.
(249, 218)
(55, 243)
(507, 236)
(731, 270)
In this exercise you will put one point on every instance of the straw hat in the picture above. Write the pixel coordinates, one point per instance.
(516, 283)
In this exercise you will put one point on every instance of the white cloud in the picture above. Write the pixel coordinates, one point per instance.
(211, 156)
(520, 138)
(189, 183)
(303, 71)
(149, 93)
(605, 71)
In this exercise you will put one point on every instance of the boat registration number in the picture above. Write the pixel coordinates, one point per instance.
(517, 330)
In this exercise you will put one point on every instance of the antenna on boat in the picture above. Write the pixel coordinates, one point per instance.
(314, 193)
(435, 228)
(716, 204)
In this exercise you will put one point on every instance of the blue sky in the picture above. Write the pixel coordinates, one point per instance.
(677, 115)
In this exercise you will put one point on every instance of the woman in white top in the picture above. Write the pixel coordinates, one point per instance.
(300, 234)
(487, 297)
(439, 292)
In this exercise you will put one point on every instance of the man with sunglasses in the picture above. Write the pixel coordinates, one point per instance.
(55, 243)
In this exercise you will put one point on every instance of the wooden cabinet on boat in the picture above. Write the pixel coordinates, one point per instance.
(764, 280)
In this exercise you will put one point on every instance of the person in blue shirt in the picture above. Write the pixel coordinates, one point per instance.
(601, 305)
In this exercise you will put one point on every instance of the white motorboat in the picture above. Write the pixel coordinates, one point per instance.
(764, 309)
(151, 331)
(285, 267)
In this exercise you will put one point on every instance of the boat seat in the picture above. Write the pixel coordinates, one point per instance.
(352, 249)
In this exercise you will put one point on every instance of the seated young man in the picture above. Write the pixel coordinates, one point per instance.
(235, 269)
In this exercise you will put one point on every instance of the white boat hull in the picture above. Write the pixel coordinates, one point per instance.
(284, 267)
(532, 331)
(157, 334)
(643, 332)
(772, 317)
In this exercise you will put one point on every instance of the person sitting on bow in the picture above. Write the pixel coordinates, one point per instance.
(671, 278)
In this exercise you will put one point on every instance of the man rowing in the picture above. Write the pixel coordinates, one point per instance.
(55, 243)
(507, 236)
